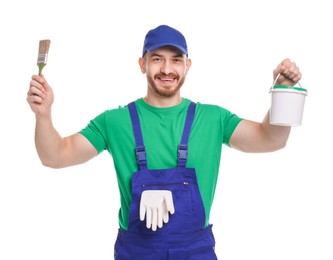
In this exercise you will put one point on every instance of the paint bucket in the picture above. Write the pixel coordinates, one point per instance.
(287, 105)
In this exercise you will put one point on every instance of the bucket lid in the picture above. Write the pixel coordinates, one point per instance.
(291, 88)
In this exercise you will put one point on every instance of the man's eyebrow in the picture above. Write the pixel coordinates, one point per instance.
(178, 55)
(154, 54)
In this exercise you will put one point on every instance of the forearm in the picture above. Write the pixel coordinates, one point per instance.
(48, 142)
(276, 135)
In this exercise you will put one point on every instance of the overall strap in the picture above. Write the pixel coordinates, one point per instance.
(140, 149)
(183, 147)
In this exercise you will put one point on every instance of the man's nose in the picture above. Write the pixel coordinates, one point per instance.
(166, 67)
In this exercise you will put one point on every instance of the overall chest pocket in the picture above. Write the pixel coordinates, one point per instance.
(185, 198)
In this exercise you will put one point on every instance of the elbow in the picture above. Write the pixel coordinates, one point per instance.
(283, 145)
(278, 141)
(50, 164)
(279, 146)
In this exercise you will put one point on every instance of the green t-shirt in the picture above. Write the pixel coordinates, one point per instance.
(162, 130)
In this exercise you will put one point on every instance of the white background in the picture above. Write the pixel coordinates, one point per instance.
(267, 206)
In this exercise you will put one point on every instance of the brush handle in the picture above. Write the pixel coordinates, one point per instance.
(40, 68)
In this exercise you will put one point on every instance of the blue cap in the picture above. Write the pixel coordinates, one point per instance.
(164, 35)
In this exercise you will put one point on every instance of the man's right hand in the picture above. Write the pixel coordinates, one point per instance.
(40, 96)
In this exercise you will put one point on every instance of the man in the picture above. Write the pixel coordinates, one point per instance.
(166, 151)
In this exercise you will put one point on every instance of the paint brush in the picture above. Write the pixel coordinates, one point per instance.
(43, 51)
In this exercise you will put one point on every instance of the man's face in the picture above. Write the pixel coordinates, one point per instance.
(165, 69)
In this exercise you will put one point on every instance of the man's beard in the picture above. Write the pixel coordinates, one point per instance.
(165, 92)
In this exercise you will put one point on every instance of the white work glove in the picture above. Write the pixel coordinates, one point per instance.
(156, 205)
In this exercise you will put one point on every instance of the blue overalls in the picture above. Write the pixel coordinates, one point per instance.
(184, 236)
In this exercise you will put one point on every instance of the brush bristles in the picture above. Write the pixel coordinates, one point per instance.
(44, 46)
(43, 50)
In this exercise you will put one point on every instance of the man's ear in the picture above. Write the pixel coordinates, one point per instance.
(142, 65)
(188, 65)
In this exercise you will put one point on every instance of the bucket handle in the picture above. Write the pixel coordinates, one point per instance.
(276, 78)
